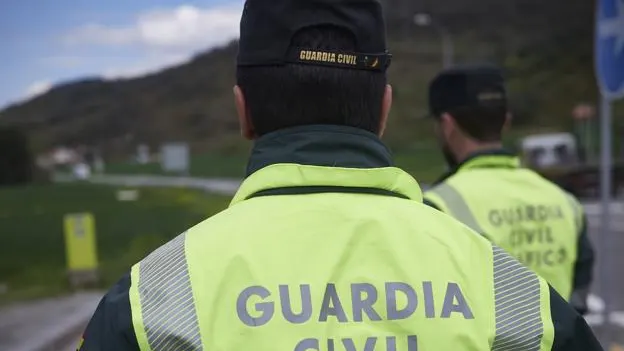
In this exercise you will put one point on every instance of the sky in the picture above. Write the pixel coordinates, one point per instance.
(46, 42)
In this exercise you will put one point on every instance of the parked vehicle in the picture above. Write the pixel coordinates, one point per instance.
(557, 157)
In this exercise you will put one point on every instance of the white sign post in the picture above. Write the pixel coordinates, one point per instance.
(174, 157)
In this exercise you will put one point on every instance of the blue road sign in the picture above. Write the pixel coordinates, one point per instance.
(610, 48)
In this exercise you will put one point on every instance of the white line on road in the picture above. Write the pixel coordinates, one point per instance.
(615, 319)
(595, 303)
(596, 307)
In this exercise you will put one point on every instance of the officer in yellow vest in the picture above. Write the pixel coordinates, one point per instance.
(326, 245)
(487, 189)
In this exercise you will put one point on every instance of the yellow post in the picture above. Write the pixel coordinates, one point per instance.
(81, 247)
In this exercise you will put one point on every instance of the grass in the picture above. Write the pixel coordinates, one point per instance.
(423, 165)
(201, 165)
(32, 254)
(423, 160)
(32, 249)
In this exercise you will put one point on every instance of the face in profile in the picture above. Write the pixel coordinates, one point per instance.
(443, 134)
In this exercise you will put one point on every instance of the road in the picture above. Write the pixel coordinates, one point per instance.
(611, 252)
(223, 186)
(46, 325)
(72, 345)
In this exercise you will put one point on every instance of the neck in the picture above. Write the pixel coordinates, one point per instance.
(473, 148)
(320, 145)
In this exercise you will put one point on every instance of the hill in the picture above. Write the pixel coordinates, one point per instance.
(546, 47)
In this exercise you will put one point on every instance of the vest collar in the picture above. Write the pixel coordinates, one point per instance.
(498, 158)
(494, 158)
(322, 155)
(320, 145)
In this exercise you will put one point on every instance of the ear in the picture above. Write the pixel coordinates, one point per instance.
(448, 126)
(246, 127)
(508, 120)
(386, 106)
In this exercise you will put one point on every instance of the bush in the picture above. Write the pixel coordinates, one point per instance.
(16, 162)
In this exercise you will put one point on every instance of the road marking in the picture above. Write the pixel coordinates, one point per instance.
(596, 306)
(595, 303)
(615, 319)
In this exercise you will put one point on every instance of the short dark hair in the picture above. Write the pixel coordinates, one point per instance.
(482, 123)
(292, 95)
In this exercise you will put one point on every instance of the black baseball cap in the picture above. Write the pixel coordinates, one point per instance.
(469, 86)
(267, 27)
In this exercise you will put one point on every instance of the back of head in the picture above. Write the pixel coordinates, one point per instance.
(476, 98)
(317, 66)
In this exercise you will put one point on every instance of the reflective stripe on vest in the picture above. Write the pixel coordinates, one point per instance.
(166, 300)
(457, 206)
(517, 305)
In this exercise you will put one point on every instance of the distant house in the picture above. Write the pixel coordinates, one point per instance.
(60, 156)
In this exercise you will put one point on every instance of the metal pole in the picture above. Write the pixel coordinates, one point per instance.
(447, 48)
(589, 143)
(425, 20)
(605, 195)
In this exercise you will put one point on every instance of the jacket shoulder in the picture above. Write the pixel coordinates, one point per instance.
(449, 228)
(435, 196)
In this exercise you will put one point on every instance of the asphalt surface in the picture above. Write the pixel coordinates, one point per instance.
(46, 325)
(608, 276)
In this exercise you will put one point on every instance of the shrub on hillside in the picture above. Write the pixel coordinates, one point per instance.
(16, 162)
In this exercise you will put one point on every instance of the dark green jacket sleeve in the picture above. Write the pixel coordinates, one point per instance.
(431, 204)
(571, 331)
(110, 328)
(583, 270)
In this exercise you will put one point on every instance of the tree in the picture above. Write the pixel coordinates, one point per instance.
(16, 163)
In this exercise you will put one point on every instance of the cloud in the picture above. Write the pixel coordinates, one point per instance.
(154, 39)
(37, 88)
(63, 61)
(185, 27)
(100, 35)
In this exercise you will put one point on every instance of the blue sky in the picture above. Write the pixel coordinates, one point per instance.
(45, 42)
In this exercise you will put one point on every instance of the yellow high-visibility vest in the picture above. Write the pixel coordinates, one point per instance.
(518, 210)
(330, 258)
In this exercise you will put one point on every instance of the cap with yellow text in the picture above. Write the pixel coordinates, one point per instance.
(267, 27)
